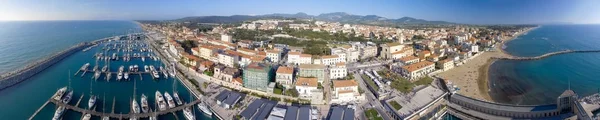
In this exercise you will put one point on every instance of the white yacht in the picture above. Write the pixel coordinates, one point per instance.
(176, 96)
(60, 93)
(97, 75)
(86, 117)
(120, 74)
(170, 100)
(105, 118)
(145, 106)
(126, 76)
(146, 69)
(92, 102)
(162, 105)
(204, 109)
(108, 75)
(188, 113)
(85, 66)
(58, 114)
(135, 106)
(143, 59)
(154, 72)
(95, 68)
(67, 98)
(104, 68)
(135, 68)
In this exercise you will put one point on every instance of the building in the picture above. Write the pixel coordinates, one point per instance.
(226, 38)
(368, 52)
(285, 76)
(227, 99)
(312, 70)
(445, 64)
(409, 60)
(417, 70)
(274, 55)
(345, 91)
(257, 76)
(389, 48)
(338, 71)
(228, 59)
(306, 86)
(190, 59)
(331, 59)
(206, 51)
(423, 104)
(225, 73)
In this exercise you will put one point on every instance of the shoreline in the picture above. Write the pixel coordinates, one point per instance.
(472, 77)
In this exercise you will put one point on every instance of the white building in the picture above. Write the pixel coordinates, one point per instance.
(274, 55)
(297, 58)
(331, 59)
(285, 76)
(228, 59)
(416, 70)
(226, 38)
(338, 71)
(345, 91)
(306, 86)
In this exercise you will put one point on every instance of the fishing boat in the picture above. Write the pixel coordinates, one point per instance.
(58, 95)
(86, 117)
(162, 105)
(145, 106)
(170, 101)
(204, 109)
(67, 98)
(176, 96)
(59, 112)
(188, 113)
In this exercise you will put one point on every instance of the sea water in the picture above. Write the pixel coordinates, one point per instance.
(542, 81)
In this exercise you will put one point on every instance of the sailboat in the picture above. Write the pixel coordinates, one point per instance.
(93, 98)
(134, 104)
(189, 115)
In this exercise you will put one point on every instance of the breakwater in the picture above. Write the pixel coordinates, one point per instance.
(12, 78)
(546, 55)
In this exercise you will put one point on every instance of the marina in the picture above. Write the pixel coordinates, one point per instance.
(122, 106)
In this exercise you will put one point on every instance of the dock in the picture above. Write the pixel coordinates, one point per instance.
(121, 115)
(39, 109)
(546, 55)
(78, 101)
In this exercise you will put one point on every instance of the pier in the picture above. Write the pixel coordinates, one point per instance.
(546, 55)
(128, 115)
(40, 109)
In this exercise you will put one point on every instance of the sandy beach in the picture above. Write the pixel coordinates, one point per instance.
(472, 76)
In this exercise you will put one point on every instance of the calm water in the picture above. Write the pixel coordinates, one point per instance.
(541, 81)
(32, 40)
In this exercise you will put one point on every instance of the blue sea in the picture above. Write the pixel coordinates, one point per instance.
(24, 42)
(542, 81)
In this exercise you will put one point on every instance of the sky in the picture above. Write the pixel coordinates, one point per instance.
(459, 11)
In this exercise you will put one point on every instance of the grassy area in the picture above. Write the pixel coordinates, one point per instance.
(370, 82)
(277, 91)
(372, 114)
(395, 105)
(401, 84)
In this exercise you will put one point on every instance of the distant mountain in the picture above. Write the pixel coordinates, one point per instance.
(341, 17)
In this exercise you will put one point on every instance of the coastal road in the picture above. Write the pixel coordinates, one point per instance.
(371, 100)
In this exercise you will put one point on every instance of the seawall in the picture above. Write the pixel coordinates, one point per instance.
(12, 78)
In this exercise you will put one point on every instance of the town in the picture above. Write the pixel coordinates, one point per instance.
(308, 69)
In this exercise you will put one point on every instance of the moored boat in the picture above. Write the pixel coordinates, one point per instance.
(188, 113)
(135, 106)
(67, 98)
(58, 113)
(204, 109)
(176, 96)
(92, 102)
(58, 95)
(86, 117)
(160, 100)
(170, 101)
(145, 106)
